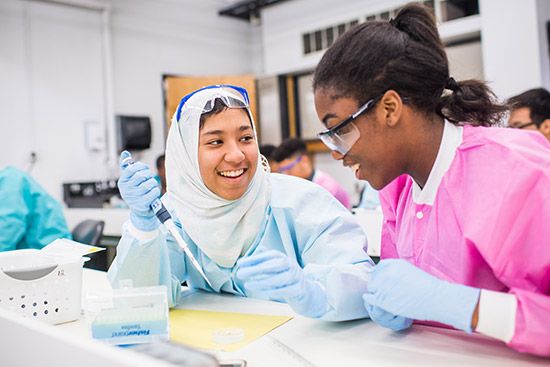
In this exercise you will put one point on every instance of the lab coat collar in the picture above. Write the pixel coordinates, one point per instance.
(452, 138)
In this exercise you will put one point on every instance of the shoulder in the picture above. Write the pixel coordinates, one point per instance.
(290, 191)
(12, 173)
(14, 179)
(505, 154)
(509, 145)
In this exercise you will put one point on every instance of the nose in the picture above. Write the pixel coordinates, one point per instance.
(234, 154)
(337, 155)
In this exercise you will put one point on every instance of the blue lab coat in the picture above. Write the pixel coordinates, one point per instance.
(303, 221)
(29, 217)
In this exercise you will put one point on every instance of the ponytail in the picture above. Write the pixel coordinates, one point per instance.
(471, 102)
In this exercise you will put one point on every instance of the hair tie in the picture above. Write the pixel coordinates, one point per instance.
(451, 84)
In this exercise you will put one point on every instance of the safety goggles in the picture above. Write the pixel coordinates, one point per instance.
(231, 96)
(289, 166)
(342, 136)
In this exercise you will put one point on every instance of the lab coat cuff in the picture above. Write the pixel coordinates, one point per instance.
(141, 235)
(497, 315)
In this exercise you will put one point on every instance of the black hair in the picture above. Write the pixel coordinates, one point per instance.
(407, 55)
(267, 150)
(160, 160)
(289, 148)
(538, 102)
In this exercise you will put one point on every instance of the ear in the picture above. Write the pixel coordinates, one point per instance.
(544, 128)
(391, 106)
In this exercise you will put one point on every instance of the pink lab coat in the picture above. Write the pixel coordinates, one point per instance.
(331, 185)
(489, 226)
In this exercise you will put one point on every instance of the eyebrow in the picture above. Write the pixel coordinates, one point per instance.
(221, 132)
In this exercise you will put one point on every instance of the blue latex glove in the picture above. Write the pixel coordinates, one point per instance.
(402, 289)
(387, 319)
(273, 275)
(139, 189)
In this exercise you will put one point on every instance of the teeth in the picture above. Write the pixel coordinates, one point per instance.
(232, 173)
(355, 167)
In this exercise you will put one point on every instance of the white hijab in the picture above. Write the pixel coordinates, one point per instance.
(222, 229)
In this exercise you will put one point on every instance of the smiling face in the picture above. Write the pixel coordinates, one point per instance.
(228, 153)
(375, 156)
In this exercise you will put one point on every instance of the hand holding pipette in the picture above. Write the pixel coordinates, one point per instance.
(141, 192)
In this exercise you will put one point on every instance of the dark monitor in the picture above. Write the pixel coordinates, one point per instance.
(134, 132)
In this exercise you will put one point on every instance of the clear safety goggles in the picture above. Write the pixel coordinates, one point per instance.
(231, 96)
(345, 134)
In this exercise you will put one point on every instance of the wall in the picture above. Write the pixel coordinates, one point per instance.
(152, 38)
(55, 63)
(513, 58)
(543, 12)
(283, 25)
(52, 87)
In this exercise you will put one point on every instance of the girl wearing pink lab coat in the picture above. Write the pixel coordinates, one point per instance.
(466, 235)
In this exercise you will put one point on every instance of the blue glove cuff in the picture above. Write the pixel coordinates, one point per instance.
(144, 223)
(464, 300)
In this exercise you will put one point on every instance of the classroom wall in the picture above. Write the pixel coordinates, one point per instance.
(66, 70)
(52, 91)
(152, 38)
(514, 55)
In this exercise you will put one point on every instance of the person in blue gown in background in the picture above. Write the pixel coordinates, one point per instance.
(29, 217)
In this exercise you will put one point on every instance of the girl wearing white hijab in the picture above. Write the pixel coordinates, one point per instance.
(254, 233)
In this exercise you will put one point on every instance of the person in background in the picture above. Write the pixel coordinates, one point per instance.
(292, 159)
(255, 234)
(267, 151)
(29, 217)
(161, 173)
(466, 239)
(530, 110)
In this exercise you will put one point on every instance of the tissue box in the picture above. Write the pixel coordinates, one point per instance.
(44, 284)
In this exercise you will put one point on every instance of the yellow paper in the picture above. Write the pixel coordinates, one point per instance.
(196, 328)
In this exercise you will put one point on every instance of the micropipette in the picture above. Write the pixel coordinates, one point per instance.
(164, 217)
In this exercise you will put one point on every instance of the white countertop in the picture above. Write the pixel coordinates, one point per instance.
(304, 341)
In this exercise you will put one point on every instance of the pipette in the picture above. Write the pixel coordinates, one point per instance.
(164, 217)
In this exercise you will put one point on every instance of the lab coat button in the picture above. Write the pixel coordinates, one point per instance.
(419, 215)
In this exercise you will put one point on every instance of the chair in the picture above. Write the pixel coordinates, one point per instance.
(89, 232)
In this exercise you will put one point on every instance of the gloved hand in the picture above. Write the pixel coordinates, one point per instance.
(273, 275)
(386, 319)
(139, 189)
(402, 289)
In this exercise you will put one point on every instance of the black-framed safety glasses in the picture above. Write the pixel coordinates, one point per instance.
(344, 135)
